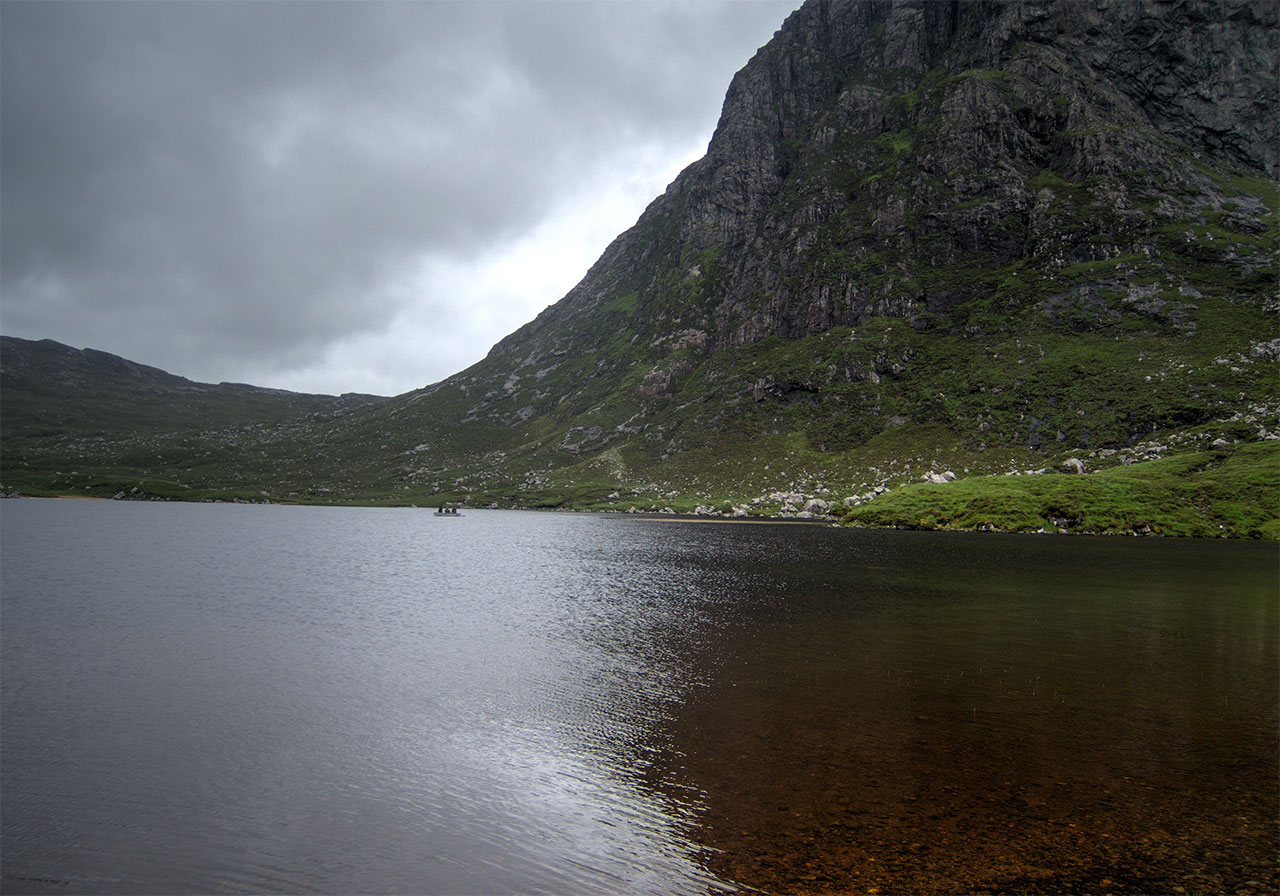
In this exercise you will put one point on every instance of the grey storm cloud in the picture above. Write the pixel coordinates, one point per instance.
(225, 187)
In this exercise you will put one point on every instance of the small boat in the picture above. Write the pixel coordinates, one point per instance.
(448, 511)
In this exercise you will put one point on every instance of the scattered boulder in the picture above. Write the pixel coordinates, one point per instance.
(1073, 465)
(1266, 351)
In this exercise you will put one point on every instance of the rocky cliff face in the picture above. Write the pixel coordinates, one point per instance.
(923, 135)
(904, 159)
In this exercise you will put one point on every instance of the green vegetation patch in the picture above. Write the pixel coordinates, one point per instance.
(1198, 494)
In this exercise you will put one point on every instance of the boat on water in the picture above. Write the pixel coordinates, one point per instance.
(448, 511)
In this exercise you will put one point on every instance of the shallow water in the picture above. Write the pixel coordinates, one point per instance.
(220, 698)
(931, 713)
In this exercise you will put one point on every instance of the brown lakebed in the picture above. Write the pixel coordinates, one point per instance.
(1003, 715)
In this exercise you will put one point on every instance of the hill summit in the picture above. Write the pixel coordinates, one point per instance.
(929, 242)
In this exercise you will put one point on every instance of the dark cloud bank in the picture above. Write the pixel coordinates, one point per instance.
(293, 193)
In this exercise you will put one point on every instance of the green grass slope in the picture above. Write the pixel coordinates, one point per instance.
(1197, 494)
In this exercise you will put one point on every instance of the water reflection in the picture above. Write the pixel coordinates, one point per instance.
(230, 699)
(332, 701)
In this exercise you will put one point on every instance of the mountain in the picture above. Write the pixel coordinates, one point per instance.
(52, 389)
(67, 409)
(928, 241)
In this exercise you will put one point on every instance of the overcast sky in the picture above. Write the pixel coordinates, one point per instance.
(333, 197)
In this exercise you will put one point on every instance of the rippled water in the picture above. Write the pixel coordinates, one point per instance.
(213, 698)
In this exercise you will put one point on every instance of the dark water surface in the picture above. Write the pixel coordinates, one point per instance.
(220, 698)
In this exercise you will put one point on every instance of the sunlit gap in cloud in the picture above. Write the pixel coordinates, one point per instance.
(453, 310)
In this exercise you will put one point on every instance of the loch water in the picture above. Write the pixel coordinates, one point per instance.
(229, 699)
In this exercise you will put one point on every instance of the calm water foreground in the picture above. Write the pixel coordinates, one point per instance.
(214, 698)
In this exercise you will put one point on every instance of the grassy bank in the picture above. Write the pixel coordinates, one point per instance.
(1202, 494)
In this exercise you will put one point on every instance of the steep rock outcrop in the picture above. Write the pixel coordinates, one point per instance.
(892, 158)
